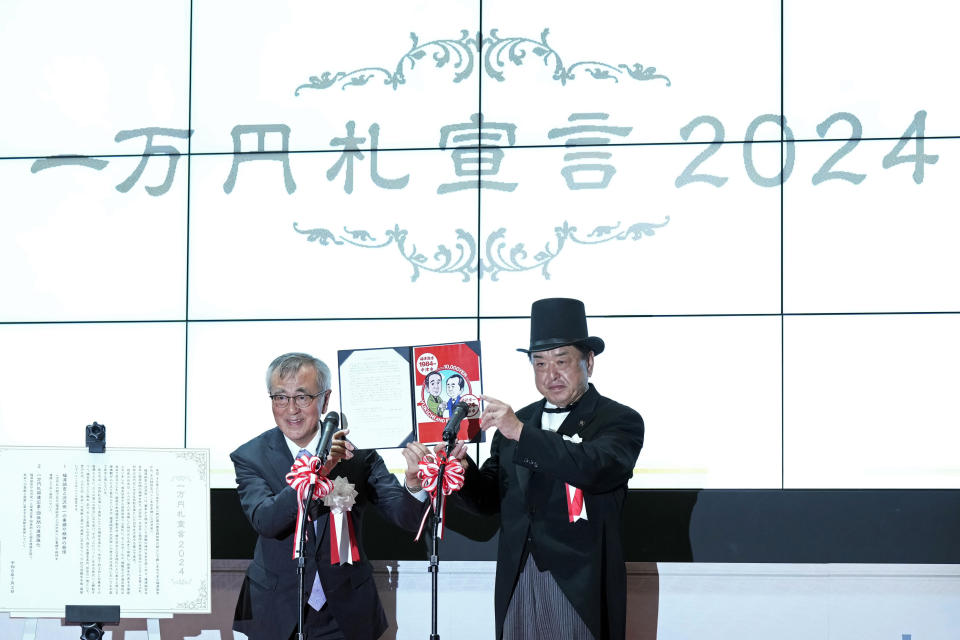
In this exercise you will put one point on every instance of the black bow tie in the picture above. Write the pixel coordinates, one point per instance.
(565, 409)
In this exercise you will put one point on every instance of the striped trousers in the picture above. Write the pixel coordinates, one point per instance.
(538, 609)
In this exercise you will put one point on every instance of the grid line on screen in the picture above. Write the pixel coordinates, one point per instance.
(782, 329)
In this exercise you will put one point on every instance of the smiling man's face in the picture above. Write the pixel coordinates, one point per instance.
(299, 424)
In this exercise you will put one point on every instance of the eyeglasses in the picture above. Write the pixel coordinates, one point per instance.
(303, 400)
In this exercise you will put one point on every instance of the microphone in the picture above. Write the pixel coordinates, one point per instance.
(457, 415)
(330, 423)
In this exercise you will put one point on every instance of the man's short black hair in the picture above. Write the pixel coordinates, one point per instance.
(584, 351)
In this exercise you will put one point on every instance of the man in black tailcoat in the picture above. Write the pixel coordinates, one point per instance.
(557, 475)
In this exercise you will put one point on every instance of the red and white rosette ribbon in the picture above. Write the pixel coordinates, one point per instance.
(429, 473)
(301, 477)
(343, 537)
(576, 508)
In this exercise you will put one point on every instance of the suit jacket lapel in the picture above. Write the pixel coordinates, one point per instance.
(579, 417)
(323, 522)
(279, 458)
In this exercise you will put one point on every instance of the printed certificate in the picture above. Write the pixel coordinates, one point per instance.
(394, 395)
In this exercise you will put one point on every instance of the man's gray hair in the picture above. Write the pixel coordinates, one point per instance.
(289, 363)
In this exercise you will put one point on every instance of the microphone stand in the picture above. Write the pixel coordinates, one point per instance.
(300, 557)
(434, 568)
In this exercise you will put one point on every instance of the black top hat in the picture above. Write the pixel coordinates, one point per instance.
(558, 322)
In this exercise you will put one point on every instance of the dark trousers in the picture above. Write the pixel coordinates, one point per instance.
(319, 625)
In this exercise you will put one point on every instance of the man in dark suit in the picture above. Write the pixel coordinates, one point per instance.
(344, 602)
(432, 395)
(455, 385)
(557, 475)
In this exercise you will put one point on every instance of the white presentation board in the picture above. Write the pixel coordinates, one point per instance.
(126, 527)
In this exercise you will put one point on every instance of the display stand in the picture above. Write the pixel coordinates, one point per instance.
(29, 629)
(92, 618)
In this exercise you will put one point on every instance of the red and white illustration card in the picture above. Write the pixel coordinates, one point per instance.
(445, 374)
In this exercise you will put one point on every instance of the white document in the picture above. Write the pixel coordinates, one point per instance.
(375, 397)
(127, 527)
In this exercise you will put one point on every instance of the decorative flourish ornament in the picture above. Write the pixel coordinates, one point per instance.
(499, 258)
(445, 260)
(461, 54)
